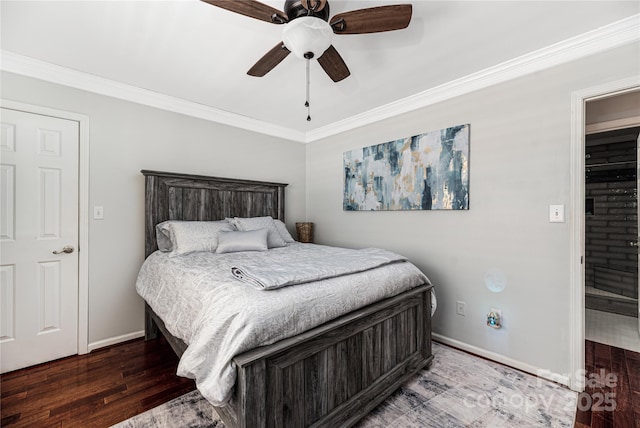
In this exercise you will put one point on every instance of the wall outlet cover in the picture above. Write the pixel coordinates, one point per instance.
(494, 318)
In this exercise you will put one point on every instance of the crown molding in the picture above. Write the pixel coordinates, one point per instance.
(31, 67)
(601, 39)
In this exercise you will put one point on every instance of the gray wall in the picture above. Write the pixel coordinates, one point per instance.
(127, 137)
(519, 164)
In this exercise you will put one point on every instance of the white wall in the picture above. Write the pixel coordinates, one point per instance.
(127, 137)
(519, 165)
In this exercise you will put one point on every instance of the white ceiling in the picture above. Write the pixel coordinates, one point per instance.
(193, 51)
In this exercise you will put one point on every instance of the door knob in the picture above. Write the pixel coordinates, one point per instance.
(633, 244)
(67, 249)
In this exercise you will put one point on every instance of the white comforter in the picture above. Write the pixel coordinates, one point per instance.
(219, 317)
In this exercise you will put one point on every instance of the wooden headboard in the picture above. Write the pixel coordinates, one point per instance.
(172, 196)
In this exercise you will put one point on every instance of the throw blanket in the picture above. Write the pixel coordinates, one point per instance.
(342, 262)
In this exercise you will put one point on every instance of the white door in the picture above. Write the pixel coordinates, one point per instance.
(638, 205)
(39, 239)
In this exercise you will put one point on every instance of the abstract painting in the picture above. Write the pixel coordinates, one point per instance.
(425, 172)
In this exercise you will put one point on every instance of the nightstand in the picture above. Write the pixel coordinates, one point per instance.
(304, 230)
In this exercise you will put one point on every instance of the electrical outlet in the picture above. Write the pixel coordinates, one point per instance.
(494, 318)
(460, 308)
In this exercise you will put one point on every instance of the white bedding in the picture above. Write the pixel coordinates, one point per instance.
(219, 317)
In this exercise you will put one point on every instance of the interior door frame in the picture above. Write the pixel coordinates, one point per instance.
(83, 209)
(577, 220)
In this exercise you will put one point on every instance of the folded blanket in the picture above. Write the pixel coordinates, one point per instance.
(345, 262)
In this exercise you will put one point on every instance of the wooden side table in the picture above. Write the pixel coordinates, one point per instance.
(304, 230)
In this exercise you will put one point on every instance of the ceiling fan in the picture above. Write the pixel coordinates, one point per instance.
(308, 31)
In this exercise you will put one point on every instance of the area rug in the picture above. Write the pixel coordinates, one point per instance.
(460, 390)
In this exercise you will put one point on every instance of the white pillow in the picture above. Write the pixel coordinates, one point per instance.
(282, 229)
(182, 237)
(274, 239)
(252, 240)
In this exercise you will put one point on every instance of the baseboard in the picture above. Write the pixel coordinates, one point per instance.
(499, 358)
(115, 340)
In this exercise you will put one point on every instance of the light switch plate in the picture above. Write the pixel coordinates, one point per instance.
(556, 213)
(98, 212)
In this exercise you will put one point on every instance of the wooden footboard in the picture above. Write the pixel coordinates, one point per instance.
(334, 374)
(337, 373)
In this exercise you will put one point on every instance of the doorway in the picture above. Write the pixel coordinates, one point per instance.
(48, 272)
(611, 234)
(39, 239)
(580, 128)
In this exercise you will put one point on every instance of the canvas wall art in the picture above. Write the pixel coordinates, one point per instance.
(425, 172)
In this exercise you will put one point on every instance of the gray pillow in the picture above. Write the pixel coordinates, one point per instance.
(274, 239)
(282, 229)
(182, 237)
(252, 240)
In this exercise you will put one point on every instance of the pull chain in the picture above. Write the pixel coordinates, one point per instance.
(307, 103)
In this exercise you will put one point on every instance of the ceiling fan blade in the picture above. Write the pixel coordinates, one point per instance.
(252, 9)
(269, 60)
(334, 65)
(372, 20)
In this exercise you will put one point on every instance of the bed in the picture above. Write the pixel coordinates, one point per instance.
(329, 375)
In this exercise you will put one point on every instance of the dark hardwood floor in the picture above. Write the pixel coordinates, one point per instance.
(613, 380)
(94, 390)
(112, 384)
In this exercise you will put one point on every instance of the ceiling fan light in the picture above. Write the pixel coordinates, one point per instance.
(307, 34)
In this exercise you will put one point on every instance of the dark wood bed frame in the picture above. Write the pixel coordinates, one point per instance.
(329, 376)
